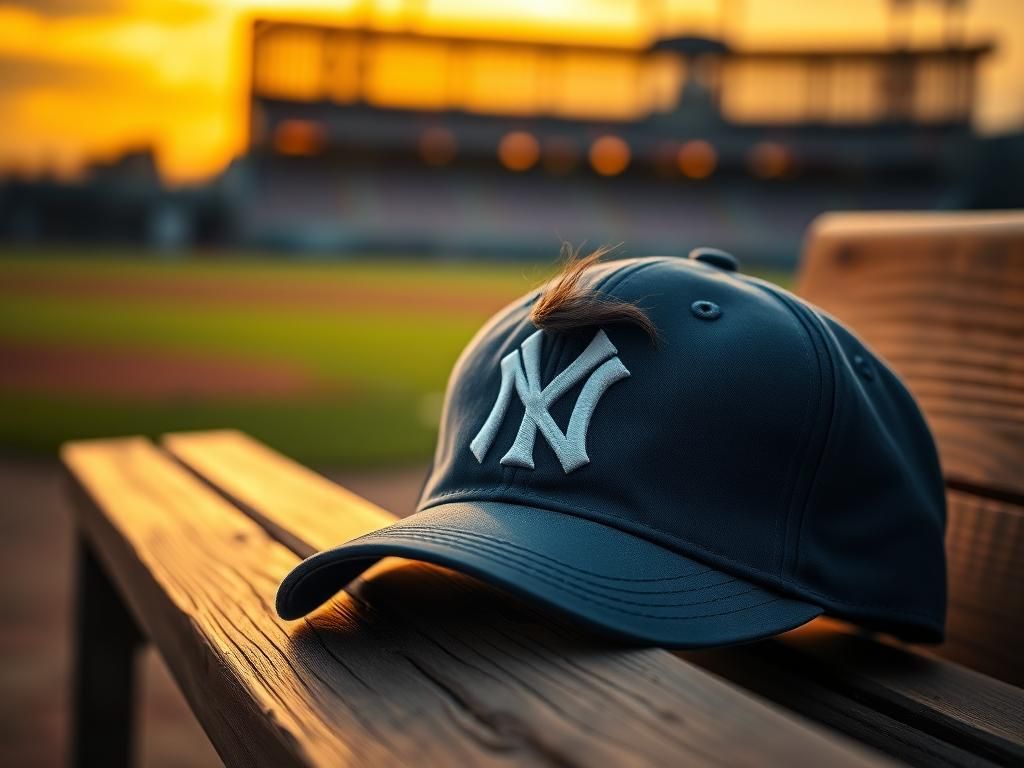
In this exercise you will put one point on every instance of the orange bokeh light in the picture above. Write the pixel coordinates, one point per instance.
(560, 156)
(697, 159)
(518, 151)
(300, 138)
(609, 155)
(769, 160)
(437, 146)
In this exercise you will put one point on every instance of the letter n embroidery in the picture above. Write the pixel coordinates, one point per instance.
(599, 364)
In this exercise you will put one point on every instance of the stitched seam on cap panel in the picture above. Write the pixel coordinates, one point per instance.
(628, 274)
(634, 272)
(798, 311)
(829, 435)
(793, 472)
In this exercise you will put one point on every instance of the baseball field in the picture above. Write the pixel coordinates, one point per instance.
(340, 363)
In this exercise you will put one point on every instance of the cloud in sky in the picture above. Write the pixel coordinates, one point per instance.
(75, 86)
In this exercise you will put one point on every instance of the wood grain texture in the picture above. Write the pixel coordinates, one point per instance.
(928, 710)
(941, 298)
(985, 554)
(923, 710)
(302, 509)
(415, 666)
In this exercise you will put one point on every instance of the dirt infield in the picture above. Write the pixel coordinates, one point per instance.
(284, 294)
(140, 374)
(289, 351)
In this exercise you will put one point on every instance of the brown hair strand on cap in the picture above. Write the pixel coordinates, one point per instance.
(565, 305)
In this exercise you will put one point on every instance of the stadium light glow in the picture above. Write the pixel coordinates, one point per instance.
(769, 160)
(697, 159)
(300, 138)
(609, 155)
(518, 150)
(437, 146)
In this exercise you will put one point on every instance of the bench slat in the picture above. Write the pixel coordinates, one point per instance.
(923, 710)
(419, 667)
(920, 706)
(985, 629)
(200, 578)
(303, 509)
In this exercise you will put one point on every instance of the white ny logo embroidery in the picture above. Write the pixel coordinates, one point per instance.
(598, 361)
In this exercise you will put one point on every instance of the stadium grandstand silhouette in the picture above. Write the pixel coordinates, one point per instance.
(378, 140)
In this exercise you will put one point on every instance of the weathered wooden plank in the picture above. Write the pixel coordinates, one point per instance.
(979, 712)
(306, 505)
(986, 585)
(919, 691)
(941, 297)
(415, 666)
(923, 710)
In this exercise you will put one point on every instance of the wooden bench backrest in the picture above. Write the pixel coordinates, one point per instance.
(941, 298)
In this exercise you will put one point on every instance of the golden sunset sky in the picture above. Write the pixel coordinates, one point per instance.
(88, 78)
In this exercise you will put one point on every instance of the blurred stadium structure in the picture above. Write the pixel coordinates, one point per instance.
(366, 140)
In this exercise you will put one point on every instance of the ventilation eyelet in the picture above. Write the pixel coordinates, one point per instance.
(864, 367)
(705, 310)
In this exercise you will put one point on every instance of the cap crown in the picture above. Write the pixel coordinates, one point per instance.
(757, 435)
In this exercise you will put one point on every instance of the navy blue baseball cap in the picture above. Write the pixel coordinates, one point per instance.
(753, 467)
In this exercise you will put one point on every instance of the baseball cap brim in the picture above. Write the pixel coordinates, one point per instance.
(612, 580)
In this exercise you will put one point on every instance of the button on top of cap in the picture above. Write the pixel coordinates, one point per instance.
(716, 258)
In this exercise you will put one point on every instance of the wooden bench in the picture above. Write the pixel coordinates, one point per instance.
(182, 544)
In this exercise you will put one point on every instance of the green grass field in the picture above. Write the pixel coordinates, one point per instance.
(375, 339)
